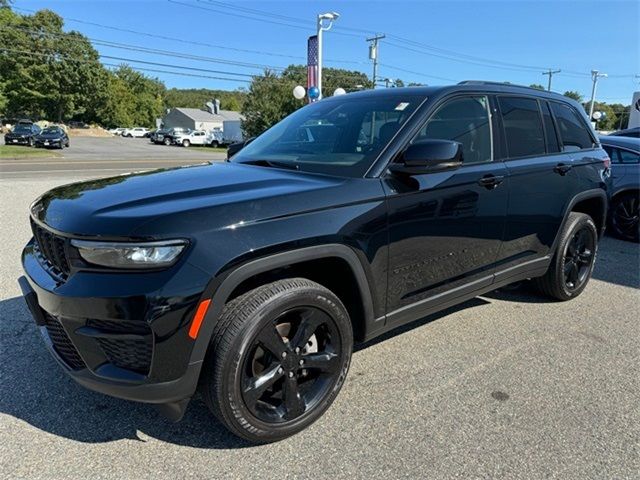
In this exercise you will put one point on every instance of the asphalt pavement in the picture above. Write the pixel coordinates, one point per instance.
(510, 385)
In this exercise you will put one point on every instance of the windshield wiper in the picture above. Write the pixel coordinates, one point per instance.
(271, 163)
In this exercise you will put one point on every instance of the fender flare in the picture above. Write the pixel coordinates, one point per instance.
(220, 288)
(586, 195)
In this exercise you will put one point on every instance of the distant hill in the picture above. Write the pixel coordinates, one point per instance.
(197, 97)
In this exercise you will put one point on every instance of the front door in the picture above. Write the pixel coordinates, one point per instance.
(445, 228)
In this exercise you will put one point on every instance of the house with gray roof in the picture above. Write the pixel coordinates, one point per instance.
(197, 119)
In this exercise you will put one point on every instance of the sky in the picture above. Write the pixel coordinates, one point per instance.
(431, 42)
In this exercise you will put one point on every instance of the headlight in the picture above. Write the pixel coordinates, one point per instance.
(130, 255)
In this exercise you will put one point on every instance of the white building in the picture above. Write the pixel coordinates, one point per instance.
(196, 119)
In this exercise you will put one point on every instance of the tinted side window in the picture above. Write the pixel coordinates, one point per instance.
(612, 152)
(628, 157)
(522, 126)
(549, 130)
(573, 131)
(465, 120)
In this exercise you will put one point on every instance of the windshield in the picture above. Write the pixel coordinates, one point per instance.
(51, 130)
(336, 137)
(22, 129)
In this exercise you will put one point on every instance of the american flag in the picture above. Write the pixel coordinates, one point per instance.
(312, 62)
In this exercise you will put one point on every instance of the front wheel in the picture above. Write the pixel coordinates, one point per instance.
(278, 358)
(167, 141)
(573, 262)
(186, 143)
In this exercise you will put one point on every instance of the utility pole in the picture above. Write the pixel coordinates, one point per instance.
(594, 76)
(550, 73)
(373, 55)
(330, 16)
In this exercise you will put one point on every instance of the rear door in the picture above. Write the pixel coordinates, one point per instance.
(542, 179)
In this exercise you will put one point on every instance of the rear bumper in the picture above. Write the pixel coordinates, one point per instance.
(133, 347)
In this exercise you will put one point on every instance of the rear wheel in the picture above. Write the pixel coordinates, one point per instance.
(278, 357)
(625, 216)
(215, 144)
(167, 141)
(573, 262)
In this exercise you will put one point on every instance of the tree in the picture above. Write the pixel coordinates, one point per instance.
(197, 97)
(133, 99)
(573, 94)
(398, 82)
(537, 86)
(48, 73)
(270, 96)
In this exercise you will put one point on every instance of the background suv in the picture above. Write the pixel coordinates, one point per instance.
(252, 279)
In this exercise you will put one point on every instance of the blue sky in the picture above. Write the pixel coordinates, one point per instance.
(574, 36)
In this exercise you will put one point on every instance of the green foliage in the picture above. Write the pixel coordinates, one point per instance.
(196, 98)
(573, 94)
(49, 73)
(270, 96)
(537, 86)
(613, 114)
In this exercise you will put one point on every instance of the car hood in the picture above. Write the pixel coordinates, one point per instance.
(49, 136)
(219, 194)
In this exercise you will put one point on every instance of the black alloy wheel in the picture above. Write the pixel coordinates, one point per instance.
(291, 365)
(578, 257)
(574, 259)
(278, 357)
(625, 216)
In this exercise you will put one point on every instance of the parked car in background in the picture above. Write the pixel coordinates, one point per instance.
(116, 131)
(629, 132)
(236, 147)
(251, 280)
(193, 137)
(52, 137)
(170, 137)
(75, 124)
(137, 132)
(624, 211)
(22, 134)
(159, 136)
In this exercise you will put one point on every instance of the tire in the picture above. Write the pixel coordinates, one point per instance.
(215, 144)
(573, 261)
(166, 141)
(31, 142)
(624, 217)
(186, 143)
(237, 342)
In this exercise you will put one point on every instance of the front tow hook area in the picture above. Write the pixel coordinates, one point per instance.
(173, 411)
(32, 301)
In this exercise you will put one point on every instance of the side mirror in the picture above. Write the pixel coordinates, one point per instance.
(429, 156)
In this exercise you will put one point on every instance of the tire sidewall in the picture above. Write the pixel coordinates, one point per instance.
(234, 408)
(575, 223)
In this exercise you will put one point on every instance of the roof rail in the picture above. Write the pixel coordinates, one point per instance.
(502, 84)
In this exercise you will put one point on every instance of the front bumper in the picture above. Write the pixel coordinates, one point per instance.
(48, 143)
(121, 334)
(16, 140)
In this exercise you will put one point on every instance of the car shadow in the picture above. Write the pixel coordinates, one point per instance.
(37, 391)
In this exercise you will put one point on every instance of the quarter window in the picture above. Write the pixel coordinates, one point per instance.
(573, 131)
(465, 120)
(628, 157)
(522, 126)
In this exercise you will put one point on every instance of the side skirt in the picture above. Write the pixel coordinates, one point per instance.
(429, 306)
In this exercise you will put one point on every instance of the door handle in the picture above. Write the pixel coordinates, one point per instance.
(490, 181)
(562, 169)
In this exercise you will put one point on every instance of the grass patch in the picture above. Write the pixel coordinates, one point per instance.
(19, 151)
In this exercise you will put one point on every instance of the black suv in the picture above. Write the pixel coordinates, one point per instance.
(252, 279)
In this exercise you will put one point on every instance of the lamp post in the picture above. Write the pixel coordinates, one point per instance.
(323, 27)
(594, 76)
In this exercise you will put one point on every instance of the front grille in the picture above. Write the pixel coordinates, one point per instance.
(51, 249)
(130, 354)
(62, 343)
